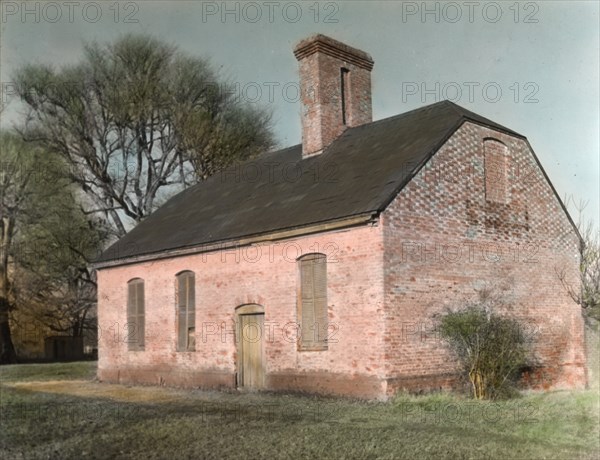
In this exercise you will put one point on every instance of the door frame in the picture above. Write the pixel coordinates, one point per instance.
(247, 310)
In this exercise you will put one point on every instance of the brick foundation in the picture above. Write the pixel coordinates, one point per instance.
(326, 383)
(168, 376)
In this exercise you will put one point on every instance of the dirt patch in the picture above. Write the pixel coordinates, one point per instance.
(87, 389)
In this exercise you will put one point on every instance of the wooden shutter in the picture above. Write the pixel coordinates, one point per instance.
(320, 299)
(191, 313)
(313, 301)
(186, 310)
(141, 326)
(131, 309)
(181, 311)
(135, 315)
(307, 307)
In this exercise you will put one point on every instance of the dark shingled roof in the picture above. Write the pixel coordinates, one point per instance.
(360, 172)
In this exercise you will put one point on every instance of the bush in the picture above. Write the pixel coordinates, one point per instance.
(491, 348)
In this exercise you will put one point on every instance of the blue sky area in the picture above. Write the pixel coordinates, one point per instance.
(531, 66)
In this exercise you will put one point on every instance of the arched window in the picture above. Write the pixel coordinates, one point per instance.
(312, 301)
(496, 159)
(135, 315)
(186, 311)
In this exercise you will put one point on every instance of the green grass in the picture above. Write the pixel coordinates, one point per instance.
(54, 371)
(168, 423)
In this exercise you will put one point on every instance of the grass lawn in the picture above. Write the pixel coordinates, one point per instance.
(58, 411)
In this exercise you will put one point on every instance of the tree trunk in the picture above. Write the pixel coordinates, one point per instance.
(7, 349)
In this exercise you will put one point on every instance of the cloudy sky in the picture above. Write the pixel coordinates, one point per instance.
(531, 66)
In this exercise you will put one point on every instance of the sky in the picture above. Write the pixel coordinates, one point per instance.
(530, 66)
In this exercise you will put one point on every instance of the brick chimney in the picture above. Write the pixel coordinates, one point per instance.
(335, 85)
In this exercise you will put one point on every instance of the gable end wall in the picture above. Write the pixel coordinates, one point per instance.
(443, 241)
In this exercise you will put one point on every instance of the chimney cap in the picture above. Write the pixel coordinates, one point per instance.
(334, 48)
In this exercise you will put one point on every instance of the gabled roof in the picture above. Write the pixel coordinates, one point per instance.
(359, 173)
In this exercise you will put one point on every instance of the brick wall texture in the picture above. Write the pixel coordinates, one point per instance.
(437, 243)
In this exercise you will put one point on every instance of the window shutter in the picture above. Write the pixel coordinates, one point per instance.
(140, 314)
(191, 312)
(186, 311)
(181, 332)
(181, 312)
(131, 314)
(313, 299)
(307, 308)
(131, 302)
(181, 289)
(135, 315)
(320, 299)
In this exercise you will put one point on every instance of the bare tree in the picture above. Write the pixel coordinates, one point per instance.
(137, 118)
(586, 290)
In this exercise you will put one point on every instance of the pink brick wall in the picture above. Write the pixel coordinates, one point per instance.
(442, 241)
(355, 299)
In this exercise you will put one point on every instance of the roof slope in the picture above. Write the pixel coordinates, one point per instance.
(360, 172)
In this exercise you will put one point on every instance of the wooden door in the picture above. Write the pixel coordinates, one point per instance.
(251, 361)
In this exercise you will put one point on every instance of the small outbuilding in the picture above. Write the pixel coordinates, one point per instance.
(322, 266)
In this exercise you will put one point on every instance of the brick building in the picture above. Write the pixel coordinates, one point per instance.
(321, 267)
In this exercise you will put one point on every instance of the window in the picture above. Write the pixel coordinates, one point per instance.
(186, 312)
(496, 156)
(135, 315)
(345, 92)
(312, 302)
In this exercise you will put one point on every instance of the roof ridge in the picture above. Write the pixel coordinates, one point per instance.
(457, 108)
(401, 115)
(467, 114)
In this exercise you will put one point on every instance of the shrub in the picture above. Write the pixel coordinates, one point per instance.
(491, 349)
